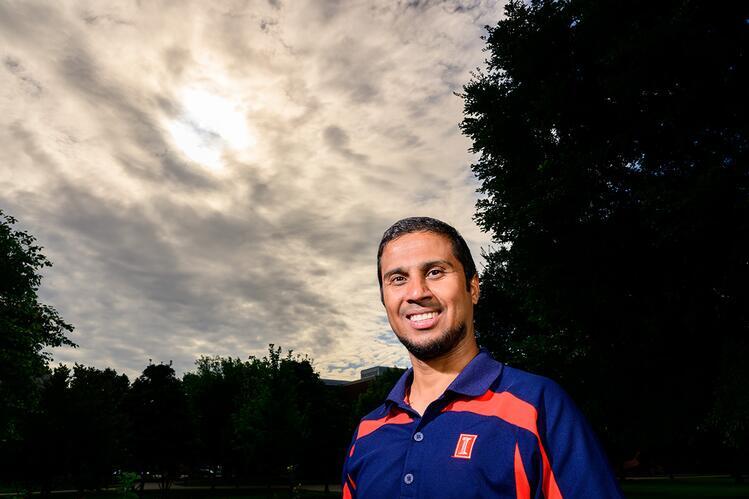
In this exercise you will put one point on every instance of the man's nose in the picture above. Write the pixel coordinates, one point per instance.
(418, 289)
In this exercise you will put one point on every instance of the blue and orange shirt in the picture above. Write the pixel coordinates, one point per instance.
(495, 432)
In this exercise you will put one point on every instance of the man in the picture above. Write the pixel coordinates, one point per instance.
(458, 423)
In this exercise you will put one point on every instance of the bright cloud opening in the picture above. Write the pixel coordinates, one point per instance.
(209, 126)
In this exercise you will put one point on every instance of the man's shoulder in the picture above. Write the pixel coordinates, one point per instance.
(532, 388)
(379, 412)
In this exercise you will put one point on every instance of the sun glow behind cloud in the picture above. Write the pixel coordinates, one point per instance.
(208, 127)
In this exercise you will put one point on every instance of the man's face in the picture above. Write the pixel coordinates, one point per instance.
(424, 293)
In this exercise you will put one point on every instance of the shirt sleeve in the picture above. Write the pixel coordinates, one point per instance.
(575, 464)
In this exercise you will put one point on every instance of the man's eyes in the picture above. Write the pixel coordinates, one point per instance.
(397, 279)
(433, 273)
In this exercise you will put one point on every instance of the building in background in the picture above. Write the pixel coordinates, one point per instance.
(352, 389)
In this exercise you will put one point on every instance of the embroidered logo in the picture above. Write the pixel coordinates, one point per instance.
(464, 448)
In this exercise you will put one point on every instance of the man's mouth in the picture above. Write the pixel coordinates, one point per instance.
(423, 320)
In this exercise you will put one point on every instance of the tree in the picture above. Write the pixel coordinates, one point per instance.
(41, 458)
(613, 142)
(273, 425)
(27, 327)
(375, 394)
(265, 418)
(730, 412)
(79, 431)
(213, 393)
(97, 426)
(157, 408)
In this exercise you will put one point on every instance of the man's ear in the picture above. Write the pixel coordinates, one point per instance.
(475, 292)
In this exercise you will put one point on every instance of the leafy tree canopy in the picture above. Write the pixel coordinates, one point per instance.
(157, 409)
(613, 147)
(267, 417)
(27, 326)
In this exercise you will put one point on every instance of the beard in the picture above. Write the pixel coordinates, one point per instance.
(436, 347)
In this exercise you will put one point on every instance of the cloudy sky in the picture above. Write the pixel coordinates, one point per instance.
(212, 177)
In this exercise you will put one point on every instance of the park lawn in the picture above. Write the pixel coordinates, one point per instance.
(198, 494)
(685, 488)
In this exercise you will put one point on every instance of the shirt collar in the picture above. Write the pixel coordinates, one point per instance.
(398, 394)
(474, 380)
(476, 377)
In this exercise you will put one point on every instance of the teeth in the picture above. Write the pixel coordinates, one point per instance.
(423, 317)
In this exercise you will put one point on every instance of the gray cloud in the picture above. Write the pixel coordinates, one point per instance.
(128, 123)
(224, 240)
(30, 85)
(338, 140)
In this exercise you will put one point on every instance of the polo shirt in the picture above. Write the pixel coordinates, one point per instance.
(496, 431)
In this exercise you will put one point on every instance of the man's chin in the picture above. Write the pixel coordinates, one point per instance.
(433, 348)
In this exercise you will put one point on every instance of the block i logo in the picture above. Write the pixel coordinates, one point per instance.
(464, 447)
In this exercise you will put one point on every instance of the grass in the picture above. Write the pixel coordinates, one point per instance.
(685, 488)
(682, 488)
(189, 494)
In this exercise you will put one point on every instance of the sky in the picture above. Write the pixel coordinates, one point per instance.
(209, 178)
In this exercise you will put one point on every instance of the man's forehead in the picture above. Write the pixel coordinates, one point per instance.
(415, 248)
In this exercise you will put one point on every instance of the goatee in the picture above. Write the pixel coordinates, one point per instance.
(437, 347)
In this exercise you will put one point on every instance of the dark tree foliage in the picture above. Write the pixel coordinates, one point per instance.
(98, 428)
(613, 147)
(266, 419)
(213, 397)
(79, 433)
(27, 327)
(730, 411)
(375, 394)
(41, 458)
(158, 412)
(278, 420)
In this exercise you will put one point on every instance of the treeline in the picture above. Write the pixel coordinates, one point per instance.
(268, 420)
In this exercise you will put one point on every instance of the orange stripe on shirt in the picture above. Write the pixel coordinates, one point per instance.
(368, 426)
(346, 492)
(508, 407)
(522, 487)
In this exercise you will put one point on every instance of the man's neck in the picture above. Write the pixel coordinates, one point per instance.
(432, 377)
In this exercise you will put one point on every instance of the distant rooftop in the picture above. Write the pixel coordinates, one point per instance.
(365, 375)
(335, 382)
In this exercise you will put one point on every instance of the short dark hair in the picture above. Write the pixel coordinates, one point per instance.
(427, 224)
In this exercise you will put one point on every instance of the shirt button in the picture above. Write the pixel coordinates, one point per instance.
(408, 478)
(418, 436)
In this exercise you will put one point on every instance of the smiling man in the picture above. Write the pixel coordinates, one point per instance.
(459, 423)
